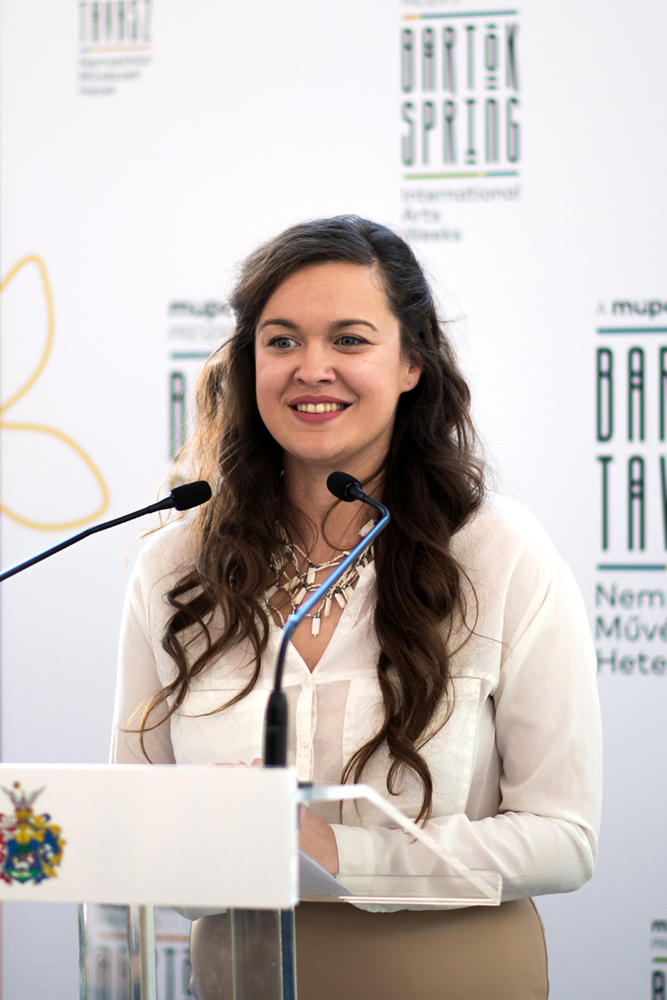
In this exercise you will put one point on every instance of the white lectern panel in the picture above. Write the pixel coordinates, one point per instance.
(125, 834)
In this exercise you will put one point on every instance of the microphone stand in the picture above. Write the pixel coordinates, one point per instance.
(181, 497)
(275, 721)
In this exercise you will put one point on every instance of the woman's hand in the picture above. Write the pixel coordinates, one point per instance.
(317, 840)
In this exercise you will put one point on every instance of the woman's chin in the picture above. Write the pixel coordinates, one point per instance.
(330, 452)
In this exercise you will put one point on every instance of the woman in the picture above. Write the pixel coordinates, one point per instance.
(452, 670)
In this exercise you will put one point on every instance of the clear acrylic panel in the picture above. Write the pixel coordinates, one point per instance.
(143, 953)
(244, 955)
(106, 939)
(437, 879)
(403, 891)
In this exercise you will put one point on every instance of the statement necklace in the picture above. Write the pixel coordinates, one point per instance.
(301, 584)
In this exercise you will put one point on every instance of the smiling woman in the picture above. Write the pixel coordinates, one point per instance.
(451, 669)
(328, 389)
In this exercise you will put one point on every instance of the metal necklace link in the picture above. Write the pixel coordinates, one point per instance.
(302, 583)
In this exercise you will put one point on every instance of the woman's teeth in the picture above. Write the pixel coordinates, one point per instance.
(319, 407)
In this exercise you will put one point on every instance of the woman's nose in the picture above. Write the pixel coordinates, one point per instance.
(315, 365)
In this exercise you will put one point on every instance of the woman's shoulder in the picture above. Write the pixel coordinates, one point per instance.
(166, 555)
(503, 532)
(501, 515)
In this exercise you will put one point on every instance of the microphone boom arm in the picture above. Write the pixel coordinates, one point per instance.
(275, 731)
(181, 497)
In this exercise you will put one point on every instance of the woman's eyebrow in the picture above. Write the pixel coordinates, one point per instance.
(341, 323)
(287, 323)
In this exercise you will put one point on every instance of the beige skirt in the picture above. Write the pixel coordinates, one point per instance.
(473, 953)
(344, 953)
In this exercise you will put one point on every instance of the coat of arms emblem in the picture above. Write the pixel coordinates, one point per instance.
(31, 847)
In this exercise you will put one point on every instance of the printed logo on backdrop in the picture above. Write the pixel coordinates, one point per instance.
(631, 455)
(29, 320)
(460, 113)
(31, 847)
(195, 329)
(658, 948)
(115, 38)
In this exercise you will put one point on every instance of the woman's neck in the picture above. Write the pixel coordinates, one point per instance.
(309, 503)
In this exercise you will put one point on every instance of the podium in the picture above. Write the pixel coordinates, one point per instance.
(198, 841)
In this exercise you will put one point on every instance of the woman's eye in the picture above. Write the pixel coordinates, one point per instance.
(281, 342)
(349, 341)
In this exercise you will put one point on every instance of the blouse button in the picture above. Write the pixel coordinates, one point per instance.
(304, 741)
(308, 681)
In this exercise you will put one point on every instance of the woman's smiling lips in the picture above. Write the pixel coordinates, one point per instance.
(317, 409)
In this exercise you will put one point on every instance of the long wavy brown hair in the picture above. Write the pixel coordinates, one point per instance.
(430, 480)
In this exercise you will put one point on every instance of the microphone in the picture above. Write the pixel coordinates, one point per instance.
(181, 497)
(347, 488)
(187, 496)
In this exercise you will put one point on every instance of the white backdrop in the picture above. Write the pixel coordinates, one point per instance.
(148, 145)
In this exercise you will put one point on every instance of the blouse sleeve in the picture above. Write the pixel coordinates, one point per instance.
(137, 682)
(543, 838)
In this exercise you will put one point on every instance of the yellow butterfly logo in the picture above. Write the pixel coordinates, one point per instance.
(7, 425)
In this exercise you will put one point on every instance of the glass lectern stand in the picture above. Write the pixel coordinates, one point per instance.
(241, 954)
(133, 952)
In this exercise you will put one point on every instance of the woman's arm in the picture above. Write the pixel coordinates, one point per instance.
(137, 682)
(543, 838)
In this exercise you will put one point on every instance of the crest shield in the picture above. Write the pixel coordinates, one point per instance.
(31, 846)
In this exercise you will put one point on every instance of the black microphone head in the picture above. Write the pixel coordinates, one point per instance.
(341, 485)
(191, 495)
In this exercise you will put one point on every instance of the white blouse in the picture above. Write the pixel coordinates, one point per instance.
(516, 767)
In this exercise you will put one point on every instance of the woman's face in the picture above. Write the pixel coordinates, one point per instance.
(330, 368)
